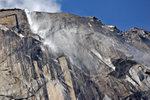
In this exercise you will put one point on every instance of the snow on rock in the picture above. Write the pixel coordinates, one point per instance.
(2, 27)
(66, 35)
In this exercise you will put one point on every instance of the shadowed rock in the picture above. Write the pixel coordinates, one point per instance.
(59, 56)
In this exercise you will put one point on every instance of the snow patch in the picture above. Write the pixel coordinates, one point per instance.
(90, 24)
(109, 63)
(130, 80)
(2, 27)
(107, 98)
(21, 36)
(105, 60)
(111, 26)
(72, 40)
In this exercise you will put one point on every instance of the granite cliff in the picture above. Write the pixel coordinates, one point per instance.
(60, 56)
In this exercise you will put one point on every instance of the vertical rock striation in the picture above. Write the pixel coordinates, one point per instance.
(58, 56)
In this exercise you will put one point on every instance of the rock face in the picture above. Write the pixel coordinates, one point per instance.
(58, 56)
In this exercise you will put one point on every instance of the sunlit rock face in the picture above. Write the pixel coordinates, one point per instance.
(86, 41)
(60, 56)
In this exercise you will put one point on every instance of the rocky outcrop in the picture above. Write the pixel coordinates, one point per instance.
(100, 62)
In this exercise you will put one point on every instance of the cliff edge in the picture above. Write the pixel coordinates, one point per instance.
(60, 56)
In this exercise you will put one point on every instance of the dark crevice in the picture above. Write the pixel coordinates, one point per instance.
(147, 72)
(122, 67)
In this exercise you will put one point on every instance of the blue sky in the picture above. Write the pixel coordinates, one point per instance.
(124, 14)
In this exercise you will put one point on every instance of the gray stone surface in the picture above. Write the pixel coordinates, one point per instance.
(59, 56)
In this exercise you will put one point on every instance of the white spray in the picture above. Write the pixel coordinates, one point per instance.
(86, 48)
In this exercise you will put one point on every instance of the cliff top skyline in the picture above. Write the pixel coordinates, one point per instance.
(123, 14)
